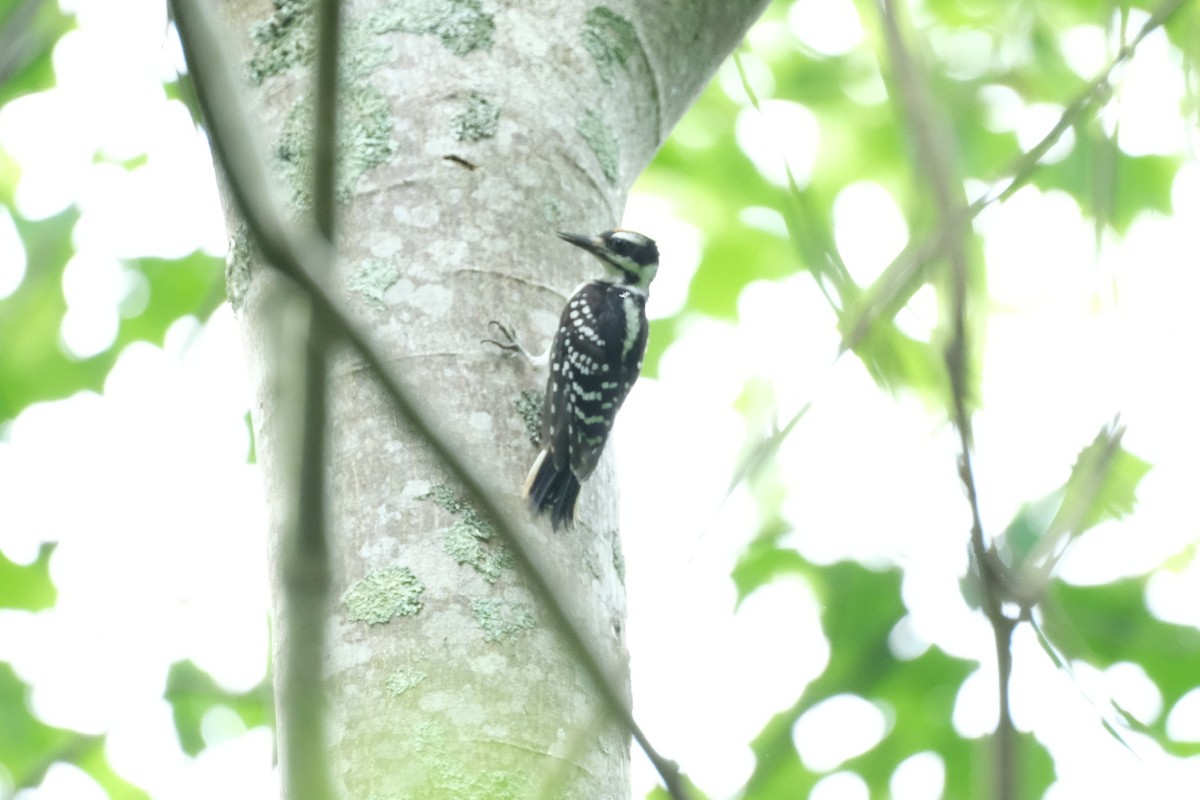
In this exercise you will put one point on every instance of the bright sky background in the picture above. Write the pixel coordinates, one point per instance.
(160, 521)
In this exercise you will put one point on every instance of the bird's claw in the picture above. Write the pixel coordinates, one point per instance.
(509, 335)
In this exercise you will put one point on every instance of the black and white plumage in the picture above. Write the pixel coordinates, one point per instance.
(594, 360)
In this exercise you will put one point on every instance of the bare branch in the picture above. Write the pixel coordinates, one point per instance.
(934, 161)
(306, 569)
(903, 276)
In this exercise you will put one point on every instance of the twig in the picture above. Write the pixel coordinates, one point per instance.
(325, 128)
(304, 555)
(1097, 87)
(306, 569)
(303, 255)
(949, 240)
(930, 138)
(898, 282)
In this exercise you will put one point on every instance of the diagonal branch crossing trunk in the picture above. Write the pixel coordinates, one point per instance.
(470, 131)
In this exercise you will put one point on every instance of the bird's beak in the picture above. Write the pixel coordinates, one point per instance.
(593, 244)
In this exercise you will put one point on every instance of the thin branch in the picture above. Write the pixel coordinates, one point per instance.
(992, 580)
(325, 130)
(304, 256)
(934, 161)
(1098, 88)
(901, 278)
(301, 350)
(306, 568)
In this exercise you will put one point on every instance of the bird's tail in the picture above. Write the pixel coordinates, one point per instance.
(552, 490)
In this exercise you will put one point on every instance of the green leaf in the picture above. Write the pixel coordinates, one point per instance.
(761, 453)
(1062, 665)
(28, 33)
(29, 747)
(1103, 482)
(1105, 625)
(662, 335)
(1029, 527)
(27, 587)
(659, 793)
(1108, 184)
(861, 607)
(33, 366)
(730, 263)
(763, 562)
(898, 361)
(1102, 486)
(192, 693)
(24, 740)
(192, 285)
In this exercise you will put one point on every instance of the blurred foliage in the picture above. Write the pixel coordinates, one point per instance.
(192, 694)
(29, 747)
(970, 50)
(1110, 624)
(33, 365)
(861, 607)
(29, 29)
(1102, 486)
(27, 587)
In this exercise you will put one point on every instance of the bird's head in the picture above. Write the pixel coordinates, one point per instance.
(629, 257)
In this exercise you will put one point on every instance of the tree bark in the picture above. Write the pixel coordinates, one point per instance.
(470, 132)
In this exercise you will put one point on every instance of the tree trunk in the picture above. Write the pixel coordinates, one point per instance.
(471, 130)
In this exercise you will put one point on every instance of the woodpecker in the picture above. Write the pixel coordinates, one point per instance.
(594, 360)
